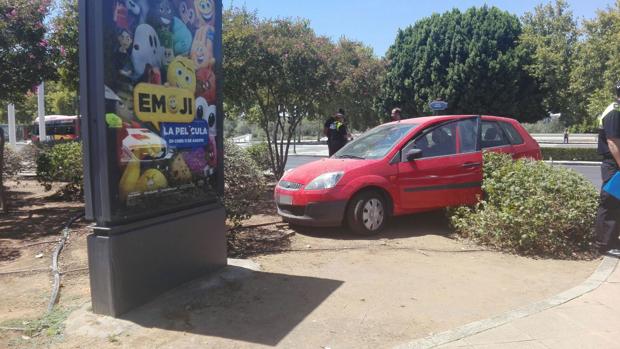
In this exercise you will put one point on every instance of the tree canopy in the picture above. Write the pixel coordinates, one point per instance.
(65, 38)
(596, 68)
(26, 57)
(279, 72)
(469, 59)
(550, 33)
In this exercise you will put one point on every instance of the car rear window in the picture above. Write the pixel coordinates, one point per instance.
(492, 135)
(513, 134)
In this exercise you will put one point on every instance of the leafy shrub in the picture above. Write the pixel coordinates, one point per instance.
(531, 208)
(570, 154)
(12, 163)
(260, 153)
(62, 163)
(243, 182)
(546, 125)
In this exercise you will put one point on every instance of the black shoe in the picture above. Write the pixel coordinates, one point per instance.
(614, 252)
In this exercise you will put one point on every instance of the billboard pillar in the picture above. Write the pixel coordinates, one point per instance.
(151, 101)
(41, 111)
(12, 130)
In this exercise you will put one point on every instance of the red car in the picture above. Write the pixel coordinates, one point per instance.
(399, 168)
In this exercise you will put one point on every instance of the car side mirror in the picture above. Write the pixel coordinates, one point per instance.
(413, 154)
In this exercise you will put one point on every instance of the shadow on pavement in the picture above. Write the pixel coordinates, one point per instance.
(420, 224)
(258, 307)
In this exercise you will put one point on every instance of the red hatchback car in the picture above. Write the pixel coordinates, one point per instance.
(399, 168)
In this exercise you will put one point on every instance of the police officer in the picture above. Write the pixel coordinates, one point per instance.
(608, 216)
(336, 132)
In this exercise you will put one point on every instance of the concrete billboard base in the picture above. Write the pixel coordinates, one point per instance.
(131, 265)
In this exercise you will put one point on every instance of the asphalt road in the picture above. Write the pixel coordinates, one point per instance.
(592, 173)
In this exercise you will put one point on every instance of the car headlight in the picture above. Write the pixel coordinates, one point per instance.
(325, 181)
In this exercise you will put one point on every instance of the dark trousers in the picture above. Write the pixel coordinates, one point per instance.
(334, 146)
(608, 215)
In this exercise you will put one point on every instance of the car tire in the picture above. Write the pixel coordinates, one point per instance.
(367, 213)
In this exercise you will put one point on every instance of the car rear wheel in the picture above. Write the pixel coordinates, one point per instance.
(367, 213)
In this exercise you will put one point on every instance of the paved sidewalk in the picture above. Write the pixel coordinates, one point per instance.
(587, 316)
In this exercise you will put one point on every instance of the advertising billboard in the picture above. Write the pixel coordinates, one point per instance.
(158, 112)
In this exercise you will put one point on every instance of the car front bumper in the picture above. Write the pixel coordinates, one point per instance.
(316, 214)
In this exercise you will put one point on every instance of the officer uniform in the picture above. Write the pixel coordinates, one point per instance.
(608, 216)
(337, 136)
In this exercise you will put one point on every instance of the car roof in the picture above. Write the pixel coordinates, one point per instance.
(423, 120)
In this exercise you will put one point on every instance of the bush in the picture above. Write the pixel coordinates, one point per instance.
(570, 154)
(62, 163)
(546, 125)
(260, 153)
(243, 182)
(12, 162)
(531, 208)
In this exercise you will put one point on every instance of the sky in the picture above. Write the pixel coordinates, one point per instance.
(376, 22)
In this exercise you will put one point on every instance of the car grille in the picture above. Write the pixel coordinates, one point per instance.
(286, 185)
(293, 210)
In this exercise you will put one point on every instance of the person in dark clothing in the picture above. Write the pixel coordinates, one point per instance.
(337, 134)
(608, 215)
(395, 116)
(326, 127)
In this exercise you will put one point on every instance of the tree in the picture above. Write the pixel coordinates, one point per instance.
(470, 59)
(550, 33)
(596, 68)
(65, 38)
(359, 74)
(276, 75)
(25, 55)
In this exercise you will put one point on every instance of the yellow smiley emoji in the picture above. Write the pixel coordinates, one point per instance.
(172, 104)
(182, 74)
(205, 9)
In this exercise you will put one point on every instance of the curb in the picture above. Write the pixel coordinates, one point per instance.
(575, 163)
(600, 275)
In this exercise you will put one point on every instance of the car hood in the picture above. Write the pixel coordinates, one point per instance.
(307, 172)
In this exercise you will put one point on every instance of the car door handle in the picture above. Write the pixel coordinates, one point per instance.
(472, 164)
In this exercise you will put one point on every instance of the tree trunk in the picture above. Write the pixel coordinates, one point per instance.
(3, 204)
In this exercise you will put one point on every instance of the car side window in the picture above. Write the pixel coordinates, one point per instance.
(439, 141)
(468, 135)
(513, 134)
(492, 135)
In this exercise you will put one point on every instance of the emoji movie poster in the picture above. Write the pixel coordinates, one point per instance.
(161, 59)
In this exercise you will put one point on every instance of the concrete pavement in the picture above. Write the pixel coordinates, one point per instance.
(586, 316)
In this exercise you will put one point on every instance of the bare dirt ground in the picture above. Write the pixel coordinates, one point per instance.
(315, 287)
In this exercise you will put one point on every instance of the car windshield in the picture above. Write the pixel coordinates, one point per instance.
(375, 143)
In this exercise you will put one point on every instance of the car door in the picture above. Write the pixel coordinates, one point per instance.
(448, 171)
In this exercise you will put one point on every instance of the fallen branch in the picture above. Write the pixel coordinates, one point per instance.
(39, 243)
(4, 328)
(255, 225)
(24, 271)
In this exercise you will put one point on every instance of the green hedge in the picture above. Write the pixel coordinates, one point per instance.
(570, 154)
(531, 208)
(62, 163)
(260, 153)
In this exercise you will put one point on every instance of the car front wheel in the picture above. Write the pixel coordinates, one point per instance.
(367, 213)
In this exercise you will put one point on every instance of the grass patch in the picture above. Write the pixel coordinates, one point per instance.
(41, 331)
(570, 154)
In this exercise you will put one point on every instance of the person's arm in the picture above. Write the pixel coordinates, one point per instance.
(614, 148)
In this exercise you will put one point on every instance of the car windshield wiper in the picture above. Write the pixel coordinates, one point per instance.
(347, 156)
